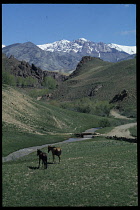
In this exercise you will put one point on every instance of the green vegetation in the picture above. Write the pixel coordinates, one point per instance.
(101, 81)
(104, 123)
(133, 131)
(11, 80)
(36, 92)
(49, 82)
(96, 172)
(28, 122)
(86, 105)
(8, 78)
(26, 82)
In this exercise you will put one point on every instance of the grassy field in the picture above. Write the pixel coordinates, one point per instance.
(97, 172)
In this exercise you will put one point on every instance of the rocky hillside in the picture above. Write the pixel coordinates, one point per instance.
(22, 69)
(103, 81)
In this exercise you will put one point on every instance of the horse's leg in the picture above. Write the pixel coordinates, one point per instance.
(39, 163)
(59, 159)
(45, 164)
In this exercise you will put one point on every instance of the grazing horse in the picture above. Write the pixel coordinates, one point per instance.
(43, 157)
(55, 151)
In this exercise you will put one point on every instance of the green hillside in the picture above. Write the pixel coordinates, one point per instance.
(28, 122)
(100, 80)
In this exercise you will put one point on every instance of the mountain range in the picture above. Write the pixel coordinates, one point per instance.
(77, 46)
(64, 55)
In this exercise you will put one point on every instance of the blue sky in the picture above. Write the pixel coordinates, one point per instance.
(46, 23)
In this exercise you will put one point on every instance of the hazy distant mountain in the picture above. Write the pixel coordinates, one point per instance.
(29, 52)
(64, 55)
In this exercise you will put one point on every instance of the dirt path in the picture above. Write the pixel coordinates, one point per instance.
(122, 130)
(116, 114)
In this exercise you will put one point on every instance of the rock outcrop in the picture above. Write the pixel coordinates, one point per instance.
(24, 69)
(119, 97)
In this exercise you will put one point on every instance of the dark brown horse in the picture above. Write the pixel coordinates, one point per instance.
(43, 157)
(55, 151)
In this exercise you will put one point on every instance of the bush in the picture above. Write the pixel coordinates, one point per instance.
(85, 105)
(8, 78)
(26, 82)
(34, 93)
(49, 82)
(104, 123)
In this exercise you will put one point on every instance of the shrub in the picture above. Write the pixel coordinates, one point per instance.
(8, 78)
(49, 82)
(104, 123)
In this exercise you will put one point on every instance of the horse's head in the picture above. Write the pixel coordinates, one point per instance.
(38, 151)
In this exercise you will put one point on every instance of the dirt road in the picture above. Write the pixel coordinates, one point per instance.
(122, 130)
(116, 114)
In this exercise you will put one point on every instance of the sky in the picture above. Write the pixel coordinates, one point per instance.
(47, 23)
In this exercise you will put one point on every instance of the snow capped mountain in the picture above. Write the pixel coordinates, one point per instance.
(83, 45)
(77, 46)
(63, 46)
(55, 46)
(3, 45)
(64, 55)
(128, 49)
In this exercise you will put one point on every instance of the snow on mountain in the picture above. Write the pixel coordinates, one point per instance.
(55, 46)
(64, 55)
(83, 45)
(76, 46)
(3, 45)
(128, 49)
(63, 46)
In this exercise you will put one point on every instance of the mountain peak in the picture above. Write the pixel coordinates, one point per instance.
(83, 39)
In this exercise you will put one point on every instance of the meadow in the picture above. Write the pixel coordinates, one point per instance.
(95, 172)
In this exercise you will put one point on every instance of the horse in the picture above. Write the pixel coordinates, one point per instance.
(55, 151)
(43, 157)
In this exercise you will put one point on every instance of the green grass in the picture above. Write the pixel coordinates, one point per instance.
(114, 77)
(97, 172)
(34, 123)
(133, 131)
(13, 139)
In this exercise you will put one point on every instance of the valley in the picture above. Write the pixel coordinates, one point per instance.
(94, 172)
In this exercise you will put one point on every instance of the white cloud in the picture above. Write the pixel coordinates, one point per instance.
(128, 32)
